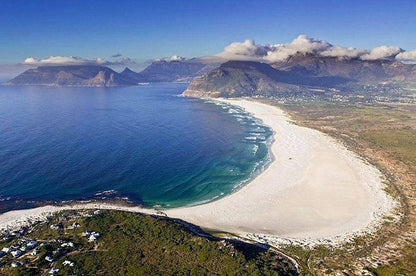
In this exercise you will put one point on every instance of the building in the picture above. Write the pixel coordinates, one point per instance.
(16, 253)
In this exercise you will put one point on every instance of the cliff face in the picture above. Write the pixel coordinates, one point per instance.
(74, 75)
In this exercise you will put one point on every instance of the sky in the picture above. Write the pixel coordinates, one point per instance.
(144, 30)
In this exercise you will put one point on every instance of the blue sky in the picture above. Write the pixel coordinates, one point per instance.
(147, 29)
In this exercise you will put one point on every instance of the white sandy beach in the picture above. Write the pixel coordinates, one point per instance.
(314, 189)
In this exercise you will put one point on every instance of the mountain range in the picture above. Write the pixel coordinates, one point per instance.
(168, 71)
(101, 76)
(71, 75)
(296, 73)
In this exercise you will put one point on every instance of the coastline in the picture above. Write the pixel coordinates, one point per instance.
(314, 190)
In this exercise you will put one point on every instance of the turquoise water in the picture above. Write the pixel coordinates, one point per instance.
(143, 143)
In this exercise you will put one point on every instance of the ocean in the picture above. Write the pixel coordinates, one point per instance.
(144, 143)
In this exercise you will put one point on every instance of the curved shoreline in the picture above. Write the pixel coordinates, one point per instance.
(313, 190)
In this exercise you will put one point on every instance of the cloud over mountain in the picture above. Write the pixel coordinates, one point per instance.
(246, 50)
(249, 50)
(172, 58)
(407, 56)
(382, 52)
(61, 60)
(70, 60)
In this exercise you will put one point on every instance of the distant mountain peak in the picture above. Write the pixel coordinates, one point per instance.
(127, 70)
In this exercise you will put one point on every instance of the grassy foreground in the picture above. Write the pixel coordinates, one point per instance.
(135, 244)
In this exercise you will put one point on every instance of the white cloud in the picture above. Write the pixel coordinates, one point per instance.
(407, 56)
(382, 52)
(172, 58)
(61, 60)
(246, 50)
(305, 44)
(344, 52)
(249, 50)
(302, 44)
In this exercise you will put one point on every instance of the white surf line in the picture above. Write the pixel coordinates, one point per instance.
(315, 190)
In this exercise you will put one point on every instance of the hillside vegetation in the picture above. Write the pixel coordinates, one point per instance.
(135, 244)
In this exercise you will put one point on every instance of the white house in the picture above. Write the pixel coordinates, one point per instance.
(53, 271)
(67, 244)
(16, 253)
(66, 262)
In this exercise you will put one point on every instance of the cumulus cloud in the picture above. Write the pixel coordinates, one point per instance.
(305, 44)
(246, 50)
(382, 52)
(249, 50)
(302, 44)
(409, 56)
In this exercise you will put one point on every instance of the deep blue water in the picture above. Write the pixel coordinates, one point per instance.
(144, 142)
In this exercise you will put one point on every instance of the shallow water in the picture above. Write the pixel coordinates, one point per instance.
(143, 142)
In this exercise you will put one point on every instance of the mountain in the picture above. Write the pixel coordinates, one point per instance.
(298, 73)
(249, 78)
(101, 76)
(167, 71)
(71, 75)
(133, 76)
(356, 69)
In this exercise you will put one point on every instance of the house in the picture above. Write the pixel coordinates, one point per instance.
(53, 271)
(16, 264)
(66, 262)
(6, 249)
(86, 233)
(49, 259)
(55, 226)
(74, 225)
(67, 244)
(35, 251)
(31, 244)
(16, 253)
(97, 212)
(94, 236)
